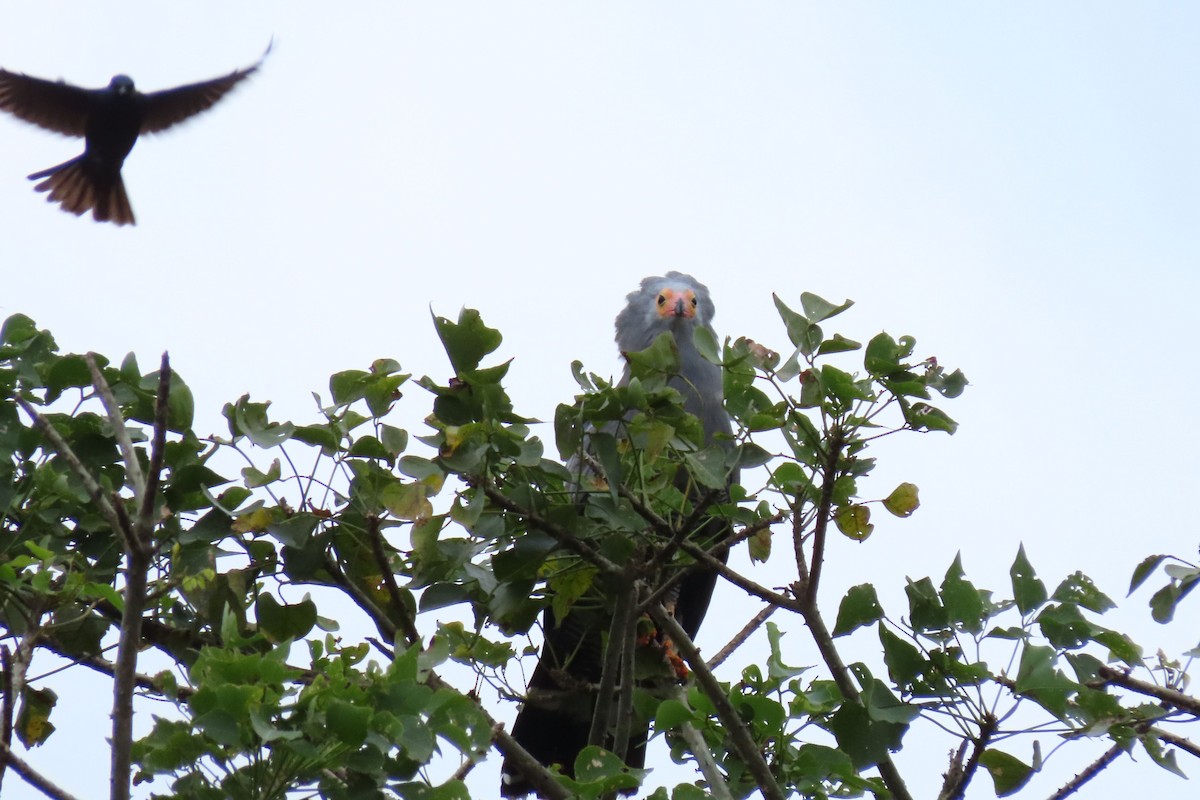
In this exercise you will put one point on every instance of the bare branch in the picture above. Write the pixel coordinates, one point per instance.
(1171, 697)
(133, 469)
(1187, 745)
(740, 638)
(837, 441)
(735, 728)
(959, 777)
(1094, 769)
(407, 624)
(737, 579)
(9, 702)
(32, 776)
(139, 552)
(717, 787)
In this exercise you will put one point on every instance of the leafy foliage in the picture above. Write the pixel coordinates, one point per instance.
(253, 561)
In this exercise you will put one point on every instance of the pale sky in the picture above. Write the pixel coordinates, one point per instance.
(1013, 184)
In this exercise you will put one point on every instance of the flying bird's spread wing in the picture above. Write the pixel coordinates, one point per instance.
(169, 107)
(563, 700)
(53, 105)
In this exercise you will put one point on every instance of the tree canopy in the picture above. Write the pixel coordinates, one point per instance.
(223, 574)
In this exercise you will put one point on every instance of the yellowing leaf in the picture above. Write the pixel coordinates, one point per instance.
(903, 500)
(854, 522)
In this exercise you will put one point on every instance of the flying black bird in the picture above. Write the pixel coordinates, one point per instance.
(110, 120)
(555, 722)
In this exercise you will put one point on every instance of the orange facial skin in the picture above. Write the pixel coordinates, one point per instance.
(673, 303)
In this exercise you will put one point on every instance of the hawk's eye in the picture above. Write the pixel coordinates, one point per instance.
(662, 299)
(694, 301)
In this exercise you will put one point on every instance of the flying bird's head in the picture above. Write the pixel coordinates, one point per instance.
(673, 302)
(121, 84)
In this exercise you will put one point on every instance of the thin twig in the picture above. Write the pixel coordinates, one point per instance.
(740, 638)
(563, 537)
(737, 579)
(837, 441)
(6, 714)
(133, 469)
(407, 624)
(1093, 769)
(34, 778)
(956, 789)
(735, 728)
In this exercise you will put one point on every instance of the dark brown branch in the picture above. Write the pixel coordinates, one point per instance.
(837, 441)
(564, 538)
(737, 579)
(32, 776)
(1094, 769)
(740, 638)
(841, 676)
(1187, 745)
(955, 789)
(6, 714)
(1171, 697)
(735, 728)
(106, 667)
(139, 553)
(407, 624)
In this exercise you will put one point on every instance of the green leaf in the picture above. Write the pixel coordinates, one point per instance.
(805, 335)
(882, 356)
(1009, 774)
(925, 610)
(706, 344)
(707, 467)
(1080, 590)
(671, 714)
(347, 721)
(468, 340)
(284, 622)
(255, 478)
(819, 309)
(854, 521)
(1164, 758)
(903, 500)
(1028, 590)
(859, 607)
(1144, 570)
(924, 417)
(1064, 626)
(1038, 678)
(904, 661)
(962, 600)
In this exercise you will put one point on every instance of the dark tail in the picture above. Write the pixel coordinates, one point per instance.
(71, 186)
(556, 719)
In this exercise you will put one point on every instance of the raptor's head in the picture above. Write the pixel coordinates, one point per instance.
(673, 302)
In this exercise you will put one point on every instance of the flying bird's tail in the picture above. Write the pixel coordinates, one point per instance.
(77, 191)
